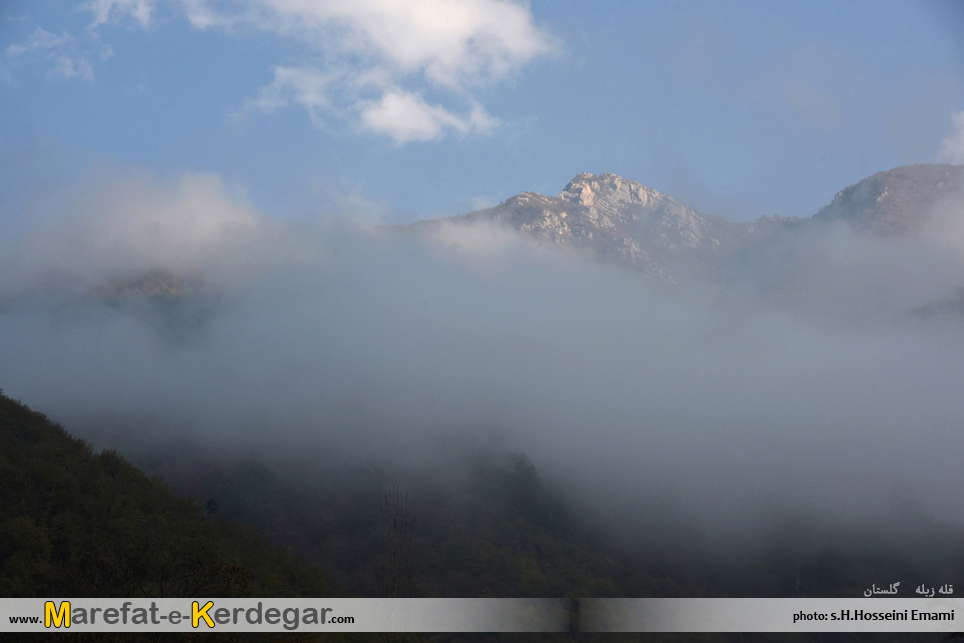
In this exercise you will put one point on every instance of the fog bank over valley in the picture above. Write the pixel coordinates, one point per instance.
(809, 373)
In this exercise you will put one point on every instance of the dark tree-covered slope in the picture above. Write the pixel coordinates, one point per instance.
(78, 523)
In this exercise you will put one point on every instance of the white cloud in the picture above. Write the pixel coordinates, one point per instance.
(391, 49)
(133, 223)
(952, 147)
(405, 117)
(39, 39)
(478, 238)
(453, 42)
(304, 86)
(67, 67)
(62, 50)
(388, 46)
(115, 10)
(202, 16)
(399, 114)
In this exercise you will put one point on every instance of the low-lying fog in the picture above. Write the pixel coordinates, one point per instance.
(822, 380)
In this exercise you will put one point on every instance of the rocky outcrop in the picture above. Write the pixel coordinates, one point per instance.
(616, 203)
(621, 221)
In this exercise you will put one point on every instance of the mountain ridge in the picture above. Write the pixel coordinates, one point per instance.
(629, 224)
(896, 201)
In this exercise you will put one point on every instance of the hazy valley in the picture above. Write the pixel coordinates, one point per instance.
(704, 407)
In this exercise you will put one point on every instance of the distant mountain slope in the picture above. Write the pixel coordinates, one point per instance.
(77, 523)
(894, 202)
(629, 224)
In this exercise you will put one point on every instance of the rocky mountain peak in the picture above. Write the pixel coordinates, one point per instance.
(608, 192)
(620, 220)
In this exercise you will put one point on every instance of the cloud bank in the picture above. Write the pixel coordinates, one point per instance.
(822, 393)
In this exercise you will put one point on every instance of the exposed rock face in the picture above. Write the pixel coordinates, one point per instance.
(895, 202)
(612, 202)
(632, 225)
(621, 221)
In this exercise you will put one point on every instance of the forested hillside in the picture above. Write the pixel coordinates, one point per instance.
(78, 523)
(499, 529)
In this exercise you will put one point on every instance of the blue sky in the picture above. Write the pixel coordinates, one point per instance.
(398, 111)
